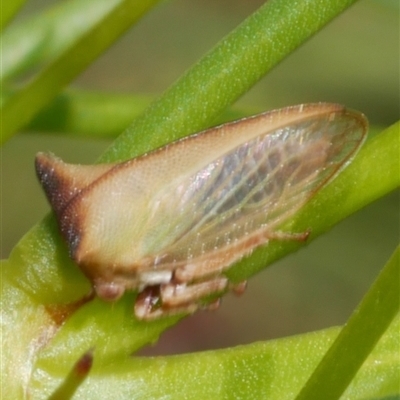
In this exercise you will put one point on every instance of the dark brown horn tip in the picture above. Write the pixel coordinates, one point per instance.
(52, 175)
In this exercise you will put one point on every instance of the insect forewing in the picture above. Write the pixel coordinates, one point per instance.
(204, 193)
(259, 183)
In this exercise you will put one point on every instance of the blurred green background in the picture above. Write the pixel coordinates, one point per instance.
(353, 61)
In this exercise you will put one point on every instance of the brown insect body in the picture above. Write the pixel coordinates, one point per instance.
(170, 222)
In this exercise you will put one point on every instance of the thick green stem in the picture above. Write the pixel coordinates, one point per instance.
(225, 73)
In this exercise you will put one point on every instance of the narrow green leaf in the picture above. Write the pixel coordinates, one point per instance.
(19, 109)
(89, 114)
(357, 339)
(8, 10)
(40, 37)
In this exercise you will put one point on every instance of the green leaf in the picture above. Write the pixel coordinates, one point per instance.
(44, 36)
(8, 10)
(357, 339)
(90, 114)
(79, 52)
(99, 114)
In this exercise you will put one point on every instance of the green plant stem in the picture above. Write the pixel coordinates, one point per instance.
(21, 107)
(276, 369)
(225, 73)
(357, 339)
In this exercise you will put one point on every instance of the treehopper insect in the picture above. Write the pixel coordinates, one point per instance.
(168, 224)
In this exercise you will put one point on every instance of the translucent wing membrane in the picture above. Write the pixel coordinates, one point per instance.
(258, 184)
(169, 223)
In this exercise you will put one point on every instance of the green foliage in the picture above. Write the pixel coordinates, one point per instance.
(39, 273)
(111, 19)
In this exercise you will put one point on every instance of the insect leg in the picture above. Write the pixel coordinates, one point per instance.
(176, 295)
(221, 259)
(171, 299)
